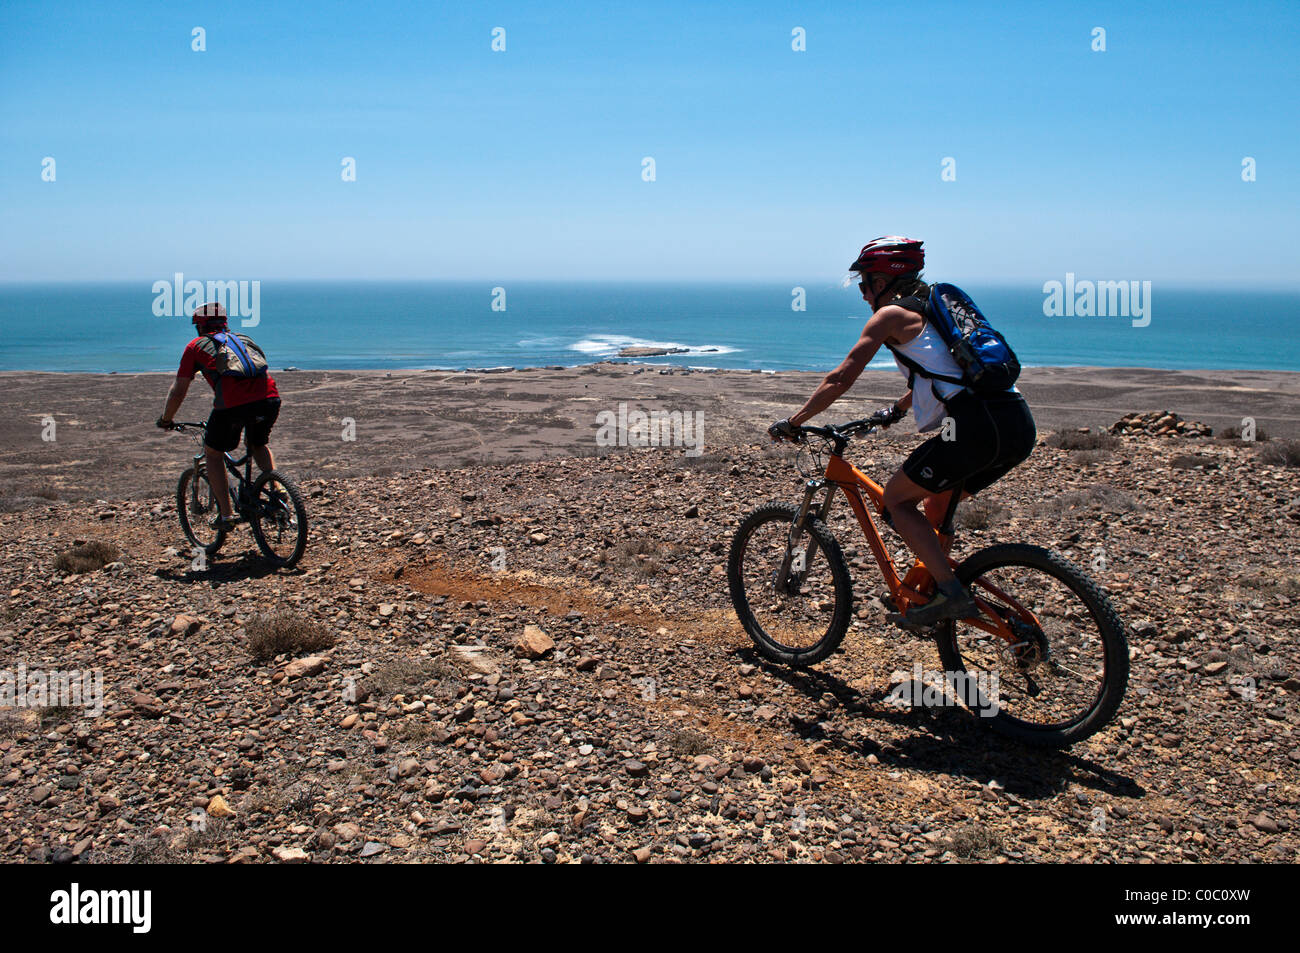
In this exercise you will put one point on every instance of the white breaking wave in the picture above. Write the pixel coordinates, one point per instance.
(608, 345)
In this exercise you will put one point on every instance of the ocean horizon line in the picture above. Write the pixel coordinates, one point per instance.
(1170, 284)
(507, 368)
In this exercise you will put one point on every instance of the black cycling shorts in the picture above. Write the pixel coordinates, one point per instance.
(254, 418)
(990, 435)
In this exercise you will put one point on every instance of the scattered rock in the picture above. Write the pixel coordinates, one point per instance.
(304, 667)
(217, 807)
(534, 643)
(1160, 423)
(186, 625)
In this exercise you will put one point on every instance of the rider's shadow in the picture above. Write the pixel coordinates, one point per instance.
(940, 740)
(249, 565)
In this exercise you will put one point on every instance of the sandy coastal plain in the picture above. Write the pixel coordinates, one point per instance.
(106, 446)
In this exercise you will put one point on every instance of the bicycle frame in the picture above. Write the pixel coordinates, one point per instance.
(241, 480)
(911, 588)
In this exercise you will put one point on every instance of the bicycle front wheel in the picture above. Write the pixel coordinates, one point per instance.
(801, 619)
(1064, 676)
(278, 519)
(196, 504)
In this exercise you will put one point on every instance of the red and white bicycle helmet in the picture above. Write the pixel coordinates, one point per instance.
(890, 255)
(210, 317)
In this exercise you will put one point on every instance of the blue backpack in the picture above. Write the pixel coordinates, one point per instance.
(236, 355)
(988, 364)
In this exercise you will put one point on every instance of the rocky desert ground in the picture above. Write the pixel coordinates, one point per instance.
(537, 661)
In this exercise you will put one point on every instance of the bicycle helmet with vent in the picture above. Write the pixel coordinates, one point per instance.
(890, 255)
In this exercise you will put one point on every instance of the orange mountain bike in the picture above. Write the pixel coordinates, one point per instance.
(1047, 651)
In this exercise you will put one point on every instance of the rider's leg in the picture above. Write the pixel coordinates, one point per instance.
(901, 497)
(262, 457)
(258, 434)
(936, 508)
(217, 478)
(950, 599)
(266, 463)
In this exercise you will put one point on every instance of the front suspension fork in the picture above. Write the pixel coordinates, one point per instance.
(797, 561)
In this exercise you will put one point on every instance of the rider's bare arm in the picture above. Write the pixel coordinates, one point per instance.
(175, 397)
(880, 328)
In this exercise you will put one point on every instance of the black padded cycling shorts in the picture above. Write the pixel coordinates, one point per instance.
(990, 436)
(255, 418)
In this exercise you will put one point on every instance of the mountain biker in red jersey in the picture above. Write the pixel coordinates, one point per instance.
(247, 404)
(991, 433)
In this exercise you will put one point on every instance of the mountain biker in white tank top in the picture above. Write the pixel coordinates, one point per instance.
(998, 433)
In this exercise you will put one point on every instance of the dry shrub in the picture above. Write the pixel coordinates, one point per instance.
(401, 676)
(1283, 454)
(285, 633)
(87, 557)
(152, 850)
(974, 841)
(15, 499)
(1088, 457)
(1234, 433)
(980, 514)
(1272, 583)
(15, 724)
(688, 742)
(302, 796)
(642, 555)
(1080, 440)
(1100, 496)
(705, 462)
(1190, 461)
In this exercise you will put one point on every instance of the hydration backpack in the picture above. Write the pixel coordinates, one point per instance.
(988, 364)
(236, 355)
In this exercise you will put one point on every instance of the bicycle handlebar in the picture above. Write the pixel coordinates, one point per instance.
(843, 432)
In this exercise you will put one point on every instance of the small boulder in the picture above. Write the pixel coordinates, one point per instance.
(186, 625)
(304, 667)
(218, 807)
(533, 643)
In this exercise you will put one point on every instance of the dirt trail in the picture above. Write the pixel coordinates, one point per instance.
(558, 597)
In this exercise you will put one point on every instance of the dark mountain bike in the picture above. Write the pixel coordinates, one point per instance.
(1047, 640)
(271, 505)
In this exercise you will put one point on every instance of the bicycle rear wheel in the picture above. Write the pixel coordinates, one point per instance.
(196, 504)
(278, 518)
(1065, 677)
(806, 622)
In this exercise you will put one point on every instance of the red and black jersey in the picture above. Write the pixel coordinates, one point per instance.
(227, 391)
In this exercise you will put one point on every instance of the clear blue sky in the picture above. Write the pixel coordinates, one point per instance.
(770, 163)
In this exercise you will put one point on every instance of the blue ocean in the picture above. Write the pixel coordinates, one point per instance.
(456, 325)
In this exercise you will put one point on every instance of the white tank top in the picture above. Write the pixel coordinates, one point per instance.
(928, 350)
